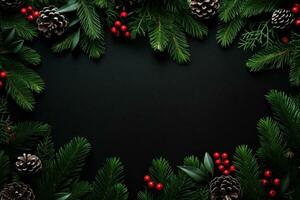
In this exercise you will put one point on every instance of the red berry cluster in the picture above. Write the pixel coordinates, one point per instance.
(29, 13)
(296, 10)
(3, 76)
(121, 28)
(151, 184)
(269, 182)
(223, 163)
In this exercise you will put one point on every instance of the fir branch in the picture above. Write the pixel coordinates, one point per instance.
(248, 173)
(108, 184)
(89, 19)
(287, 113)
(161, 170)
(29, 55)
(139, 26)
(192, 26)
(276, 56)
(46, 152)
(272, 149)
(145, 196)
(254, 7)
(64, 170)
(228, 32)
(93, 48)
(79, 190)
(70, 42)
(229, 10)
(4, 168)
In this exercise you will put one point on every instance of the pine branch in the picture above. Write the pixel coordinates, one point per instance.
(295, 71)
(276, 56)
(248, 173)
(254, 7)
(192, 26)
(272, 149)
(287, 113)
(145, 196)
(93, 48)
(4, 168)
(229, 10)
(46, 152)
(161, 170)
(228, 32)
(29, 55)
(79, 190)
(89, 19)
(109, 182)
(64, 170)
(139, 25)
(26, 136)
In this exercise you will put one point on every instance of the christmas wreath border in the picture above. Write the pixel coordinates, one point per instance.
(270, 28)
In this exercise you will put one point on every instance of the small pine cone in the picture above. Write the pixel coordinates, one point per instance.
(204, 9)
(28, 164)
(51, 23)
(10, 4)
(282, 19)
(17, 191)
(225, 188)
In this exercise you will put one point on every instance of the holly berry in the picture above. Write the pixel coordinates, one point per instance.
(147, 178)
(268, 174)
(124, 14)
(221, 168)
(3, 74)
(295, 9)
(285, 39)
(218, 162)
(272, 193)
(276, 181)
(159, 186)
(224, 155)
(23, 11)
(264, 182)
(114, 30)
(124, 28)
(30, 18)
(297, 22)
(151, 184)
(127, 34)
(226, 162)
(232, 168)
(118, 23)
(29, 8)
(226, 172)
(36, 14)
(216, 155)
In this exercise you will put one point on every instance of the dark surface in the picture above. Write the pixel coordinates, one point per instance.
(137, 106)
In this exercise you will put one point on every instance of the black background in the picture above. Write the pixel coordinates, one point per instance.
(136, 105)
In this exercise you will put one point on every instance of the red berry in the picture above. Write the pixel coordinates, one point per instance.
(127, 34)
(297, 22)
(221, 168)
(232, 168)
(23, 11)
(285, 39)
(147, 178)
(124, 28)
(218, 162)
(151, 184)
(114, 30)
(224, 155)
(276, 181)
(29, 8)
(3, 74)
(36, 14)
(30, 18)
(226, 172)
(264, 182)
(268, 174)
(216, 155)
(226, 162)
(159, 186)
(272, 193)
(295, 9)
(118, 23)
(123, 14)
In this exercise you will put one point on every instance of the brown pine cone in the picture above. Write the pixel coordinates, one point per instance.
(225, 188)
(204, 9)
(17, 191)
(28, 164)
(10, 4)
(51, 23)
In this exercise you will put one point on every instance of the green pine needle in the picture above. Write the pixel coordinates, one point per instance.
(161, 170)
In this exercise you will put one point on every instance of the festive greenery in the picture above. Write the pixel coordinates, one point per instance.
(167, 24)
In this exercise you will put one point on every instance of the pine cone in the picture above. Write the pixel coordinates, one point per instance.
(51, 22)
(282, 19)
(17, 191)
(10, 4)
(28, 164)
(225, 188)
(204, 9)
